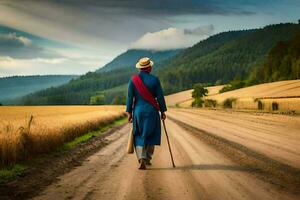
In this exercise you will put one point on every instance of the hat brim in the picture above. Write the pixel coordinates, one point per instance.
(144, 66)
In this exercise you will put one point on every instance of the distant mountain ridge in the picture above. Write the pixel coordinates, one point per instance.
(131, 56)
(18, 86)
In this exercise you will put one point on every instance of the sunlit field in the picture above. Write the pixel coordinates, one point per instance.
(27, 131)
(185, 98)
(276, 96)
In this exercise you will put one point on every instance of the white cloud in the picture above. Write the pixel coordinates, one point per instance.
(9, 62)
(173, 38)
(11, 66)
(18, 56)
(6, 61)
(51, 61)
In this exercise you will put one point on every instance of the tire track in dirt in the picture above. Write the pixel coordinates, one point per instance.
(215, 175)
(281, 144)
(171, 183)
(266, 168)
(247, 123)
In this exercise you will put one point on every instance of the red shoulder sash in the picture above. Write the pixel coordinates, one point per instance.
(144, 92)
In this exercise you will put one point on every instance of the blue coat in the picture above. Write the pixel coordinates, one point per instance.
(146, 119)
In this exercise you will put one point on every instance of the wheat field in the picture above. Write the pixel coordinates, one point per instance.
(26, 131)
(277, 89)
(184, 98)
(281, 96)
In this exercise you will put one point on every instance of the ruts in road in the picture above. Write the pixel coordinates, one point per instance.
(218, 155)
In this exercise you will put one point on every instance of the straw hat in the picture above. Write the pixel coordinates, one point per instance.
(144, 62)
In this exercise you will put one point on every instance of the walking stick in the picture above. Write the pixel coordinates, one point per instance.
(168, 143)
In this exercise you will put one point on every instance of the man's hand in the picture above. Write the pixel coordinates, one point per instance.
(129, 117)
(163, 116)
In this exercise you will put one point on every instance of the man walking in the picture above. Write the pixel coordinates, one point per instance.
(144, 101)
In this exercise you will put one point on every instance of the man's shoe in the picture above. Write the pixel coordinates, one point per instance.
(142, 164)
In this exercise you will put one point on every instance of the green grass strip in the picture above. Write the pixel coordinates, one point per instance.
(91, 134)
(11, 172)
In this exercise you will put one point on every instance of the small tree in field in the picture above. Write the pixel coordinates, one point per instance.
(97, 100)
(199, 92)
(0, 104)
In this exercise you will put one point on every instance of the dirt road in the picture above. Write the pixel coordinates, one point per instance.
(219, 155)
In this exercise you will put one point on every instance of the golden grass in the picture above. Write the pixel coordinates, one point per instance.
(285, 93)
(284, 104)
(245, 103)
(173, 99)
(23, 136)
(267, 90)
(184, 98)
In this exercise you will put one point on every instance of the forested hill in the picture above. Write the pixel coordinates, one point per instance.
(17, 86)
(130, 57)
(81, 90)
(221, 60)
(283, 62)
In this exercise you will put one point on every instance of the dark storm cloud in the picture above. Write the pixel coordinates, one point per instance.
(206, 30)
(90, 21)
(160, 7)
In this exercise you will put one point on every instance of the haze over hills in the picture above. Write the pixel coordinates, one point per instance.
(18, 86)
(131, 56)
(222, 57)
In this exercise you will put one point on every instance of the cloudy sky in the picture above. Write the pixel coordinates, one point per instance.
(76, 36)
